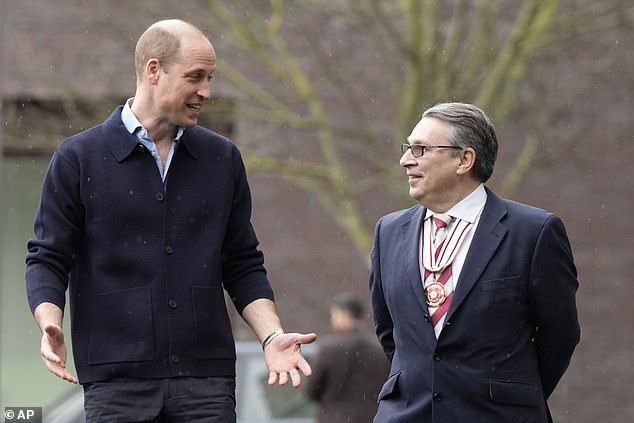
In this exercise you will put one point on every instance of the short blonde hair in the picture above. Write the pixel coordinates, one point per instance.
(162, 41)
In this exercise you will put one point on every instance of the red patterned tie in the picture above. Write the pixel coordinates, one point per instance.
(439, 281)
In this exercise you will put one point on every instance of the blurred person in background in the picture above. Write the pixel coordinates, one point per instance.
(473, 295)
(349, 368)
(145, 219)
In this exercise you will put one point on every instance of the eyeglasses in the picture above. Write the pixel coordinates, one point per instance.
(418, 150)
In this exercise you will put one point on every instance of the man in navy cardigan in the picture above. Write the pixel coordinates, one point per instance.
(145, 219)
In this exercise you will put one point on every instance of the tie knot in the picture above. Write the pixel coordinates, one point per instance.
(442, 220)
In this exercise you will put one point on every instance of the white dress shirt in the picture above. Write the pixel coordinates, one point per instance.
(468, 209)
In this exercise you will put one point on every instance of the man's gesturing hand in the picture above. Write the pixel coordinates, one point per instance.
(283, 357)
(53, 351)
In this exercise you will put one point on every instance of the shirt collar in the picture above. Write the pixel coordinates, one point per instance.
(133, 125)
(130, 121)
(468, 208)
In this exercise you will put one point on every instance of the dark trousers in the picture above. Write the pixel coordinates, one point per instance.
(183, 399)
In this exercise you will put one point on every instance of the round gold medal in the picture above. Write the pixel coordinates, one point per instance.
(435, 294)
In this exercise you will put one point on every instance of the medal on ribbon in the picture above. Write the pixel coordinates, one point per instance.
(435, 294)
(435, 258)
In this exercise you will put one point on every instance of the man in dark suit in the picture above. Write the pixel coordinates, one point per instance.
(349, 367)
(473, 295)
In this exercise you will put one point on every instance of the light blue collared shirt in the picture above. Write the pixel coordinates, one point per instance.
(134, 127)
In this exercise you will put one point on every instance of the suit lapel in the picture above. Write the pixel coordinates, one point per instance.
(410, 234)
(486, 241)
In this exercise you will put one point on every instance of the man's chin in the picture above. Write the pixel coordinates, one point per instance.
(189, 123)
(415, 195)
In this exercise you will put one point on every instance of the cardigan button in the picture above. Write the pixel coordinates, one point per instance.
(437, 397)
(159, 196)
(169, 249)
(172, 304)
(174, 358)
(140, 148)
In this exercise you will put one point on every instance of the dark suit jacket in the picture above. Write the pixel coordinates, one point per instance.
(348, 372)
(510, 330)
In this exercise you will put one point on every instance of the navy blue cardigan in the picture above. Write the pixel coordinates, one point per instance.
(146, 262)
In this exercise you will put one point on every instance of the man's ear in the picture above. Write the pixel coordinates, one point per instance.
(467, 161)
(152, 70)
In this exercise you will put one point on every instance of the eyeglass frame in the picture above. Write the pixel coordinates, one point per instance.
(423, 148)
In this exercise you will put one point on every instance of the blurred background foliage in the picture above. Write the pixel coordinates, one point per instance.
(404, 55)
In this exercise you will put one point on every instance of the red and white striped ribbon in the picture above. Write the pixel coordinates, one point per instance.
(437, 255)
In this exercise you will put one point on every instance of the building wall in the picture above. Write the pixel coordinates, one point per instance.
(78, 47)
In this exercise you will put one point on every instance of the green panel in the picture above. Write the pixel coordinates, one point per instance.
(24, 379)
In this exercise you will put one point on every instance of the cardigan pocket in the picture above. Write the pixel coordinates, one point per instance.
(122, 328)
(214, 338)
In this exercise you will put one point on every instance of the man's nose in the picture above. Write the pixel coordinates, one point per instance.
(407, 159)
(205, 90)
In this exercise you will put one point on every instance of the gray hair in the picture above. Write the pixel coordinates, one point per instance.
(470, 128)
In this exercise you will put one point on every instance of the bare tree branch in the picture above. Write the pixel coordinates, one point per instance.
(437, 51)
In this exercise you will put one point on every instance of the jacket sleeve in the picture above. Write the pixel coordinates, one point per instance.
(383, 324)
(553, 284)
(58, 222)
(243, 272)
